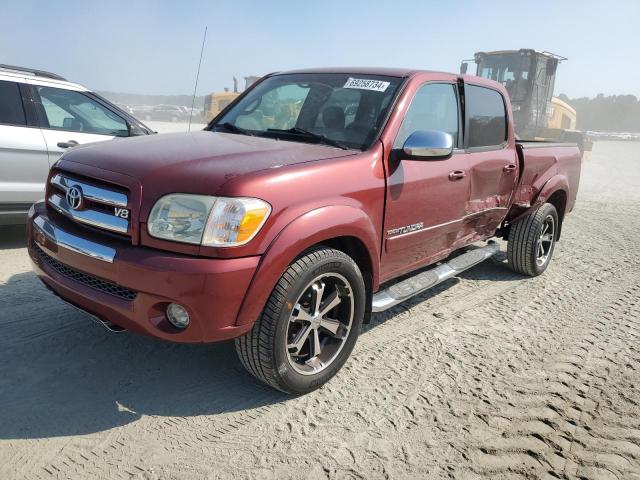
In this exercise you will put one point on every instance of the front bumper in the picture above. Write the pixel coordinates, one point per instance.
(130, 286)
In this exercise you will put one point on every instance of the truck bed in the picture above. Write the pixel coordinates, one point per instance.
(547, 168)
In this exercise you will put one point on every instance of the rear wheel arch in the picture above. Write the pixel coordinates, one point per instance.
(559, 200)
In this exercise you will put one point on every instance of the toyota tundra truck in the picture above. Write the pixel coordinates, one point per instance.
(314, 199)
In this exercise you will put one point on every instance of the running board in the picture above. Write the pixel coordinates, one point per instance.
(406, 289)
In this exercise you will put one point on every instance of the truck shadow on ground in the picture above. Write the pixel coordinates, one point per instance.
(66, 375)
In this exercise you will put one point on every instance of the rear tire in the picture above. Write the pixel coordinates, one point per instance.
(532, 241)
(309, 325)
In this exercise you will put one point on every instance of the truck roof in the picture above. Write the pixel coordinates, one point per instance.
(390, 72)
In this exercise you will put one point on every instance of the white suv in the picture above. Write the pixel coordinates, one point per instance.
(41, 115)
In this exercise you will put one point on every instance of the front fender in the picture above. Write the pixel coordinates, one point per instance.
(310, 229)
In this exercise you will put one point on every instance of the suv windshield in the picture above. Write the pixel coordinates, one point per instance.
(342, 110)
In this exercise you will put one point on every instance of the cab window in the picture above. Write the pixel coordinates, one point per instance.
(434, 107)
(487, 117)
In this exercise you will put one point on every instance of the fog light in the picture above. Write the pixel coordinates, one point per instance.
(177, 315)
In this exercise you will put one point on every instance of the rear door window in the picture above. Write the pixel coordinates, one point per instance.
(487, 117)
(11, 109)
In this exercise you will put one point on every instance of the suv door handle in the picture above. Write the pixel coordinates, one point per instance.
(509, 168)
(457, 175)
(68, 144)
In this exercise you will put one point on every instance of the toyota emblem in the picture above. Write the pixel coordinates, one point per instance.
(74, 197)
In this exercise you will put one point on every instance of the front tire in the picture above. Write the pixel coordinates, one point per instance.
(532, 241)
(309, 325)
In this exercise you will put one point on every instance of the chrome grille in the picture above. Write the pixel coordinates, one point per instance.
(97, 206)
(83, 278)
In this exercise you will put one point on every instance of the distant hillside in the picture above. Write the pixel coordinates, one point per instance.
(616, 113)
(135, 99)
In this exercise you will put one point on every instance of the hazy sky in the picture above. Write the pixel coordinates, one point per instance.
(153, 46)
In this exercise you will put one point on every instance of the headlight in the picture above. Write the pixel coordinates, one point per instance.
(205, 220)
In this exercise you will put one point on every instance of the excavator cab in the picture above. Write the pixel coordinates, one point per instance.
(529, 77)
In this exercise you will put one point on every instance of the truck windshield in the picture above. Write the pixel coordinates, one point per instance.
(512, 70)
(339, 110)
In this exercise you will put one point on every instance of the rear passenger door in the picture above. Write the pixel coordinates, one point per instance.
(23, 153)
(70, 117)
(491, 162)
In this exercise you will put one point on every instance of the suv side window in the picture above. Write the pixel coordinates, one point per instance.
(75, 112)
(487, 117)
(11, 109)
(434, 107)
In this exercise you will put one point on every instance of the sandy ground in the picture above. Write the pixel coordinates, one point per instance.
(490, 376)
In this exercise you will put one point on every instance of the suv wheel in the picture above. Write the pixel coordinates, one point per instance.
(532, 241)
(310, 324)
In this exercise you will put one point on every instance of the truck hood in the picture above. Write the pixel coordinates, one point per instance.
(197, 162)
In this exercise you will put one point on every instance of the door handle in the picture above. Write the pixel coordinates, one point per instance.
(68, 144)
(510, 168)
(457, 175)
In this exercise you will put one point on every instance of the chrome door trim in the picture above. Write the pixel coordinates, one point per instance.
(72, 242)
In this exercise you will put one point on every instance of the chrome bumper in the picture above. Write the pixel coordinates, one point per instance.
(72, 242)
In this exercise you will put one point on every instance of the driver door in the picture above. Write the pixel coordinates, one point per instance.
(70, 118)
(426, 199)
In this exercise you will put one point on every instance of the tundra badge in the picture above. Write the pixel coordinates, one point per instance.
(394, 232)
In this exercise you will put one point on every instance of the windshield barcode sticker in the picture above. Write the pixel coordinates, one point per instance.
(366, 84)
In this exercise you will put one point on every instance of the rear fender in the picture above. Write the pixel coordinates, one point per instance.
(553, 185)
(310, 229)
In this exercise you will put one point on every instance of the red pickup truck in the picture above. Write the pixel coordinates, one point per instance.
(288, 220)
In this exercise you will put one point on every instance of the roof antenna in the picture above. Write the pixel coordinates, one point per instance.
(193, 100)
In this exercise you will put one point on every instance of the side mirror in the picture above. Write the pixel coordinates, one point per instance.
(463, 68)
(428, 145)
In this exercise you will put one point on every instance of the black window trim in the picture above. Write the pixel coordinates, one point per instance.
(24, 110)
(484, 148)
(460, 139)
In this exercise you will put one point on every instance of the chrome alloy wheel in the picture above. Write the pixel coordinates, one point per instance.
(545, 241)
(320, 323)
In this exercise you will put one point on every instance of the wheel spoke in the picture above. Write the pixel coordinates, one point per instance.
(317, 350)
(318, 292)
(540, 250)
(332, 326)
(547, 238)
(545, 227)
(298, 342)
(300, 314)
(315, 363)
(332, 302)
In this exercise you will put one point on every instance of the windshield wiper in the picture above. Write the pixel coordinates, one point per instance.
(315, 136)
(234, 128)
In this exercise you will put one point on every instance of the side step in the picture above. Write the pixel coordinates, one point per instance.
(406, 289)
